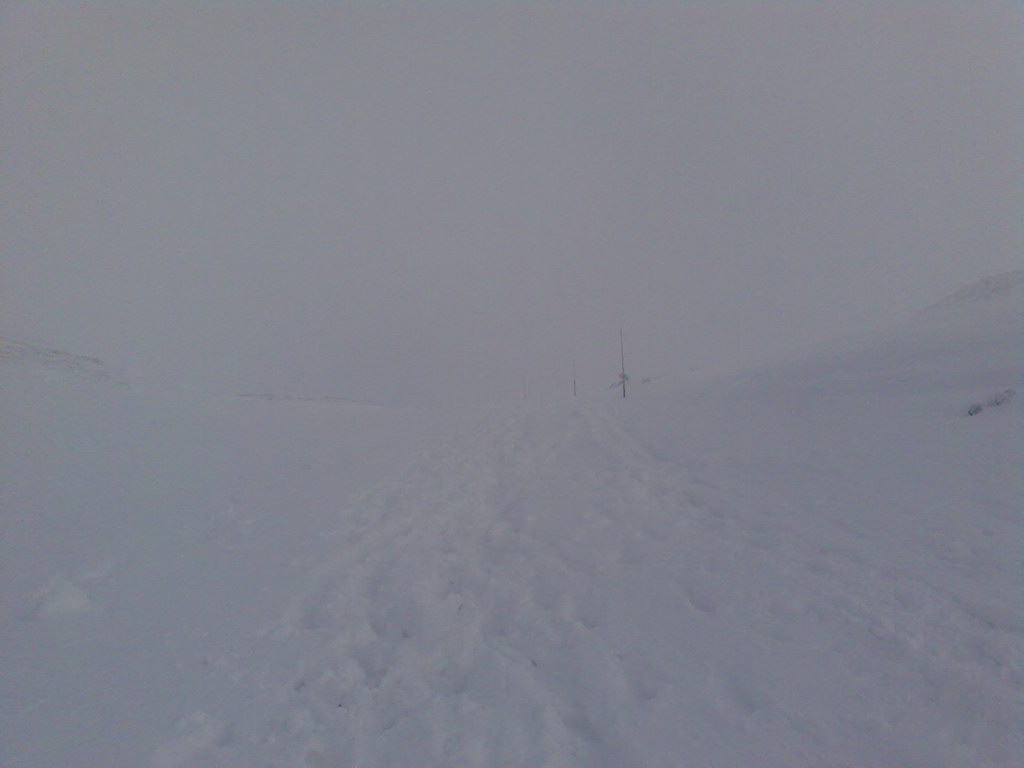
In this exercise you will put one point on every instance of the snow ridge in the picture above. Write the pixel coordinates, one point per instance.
(1004, 292)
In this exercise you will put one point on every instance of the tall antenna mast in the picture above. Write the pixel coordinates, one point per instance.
(622, 356)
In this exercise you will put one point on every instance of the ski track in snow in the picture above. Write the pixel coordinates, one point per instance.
(552, 593)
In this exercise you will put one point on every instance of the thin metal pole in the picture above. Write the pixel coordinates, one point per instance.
(622, 356)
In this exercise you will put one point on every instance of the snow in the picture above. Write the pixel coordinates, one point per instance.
(993, 294)
(813, 563)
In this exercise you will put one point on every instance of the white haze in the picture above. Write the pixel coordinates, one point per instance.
(815, 563)
(424, 203)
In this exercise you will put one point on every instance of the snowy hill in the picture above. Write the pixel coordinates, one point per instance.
(814, 563)
(19, 357)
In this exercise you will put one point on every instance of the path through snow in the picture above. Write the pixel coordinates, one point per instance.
(550, 591)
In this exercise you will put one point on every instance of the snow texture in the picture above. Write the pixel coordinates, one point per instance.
(814, 563)
(993, 402)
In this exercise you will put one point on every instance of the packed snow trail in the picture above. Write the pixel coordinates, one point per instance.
(488, 610)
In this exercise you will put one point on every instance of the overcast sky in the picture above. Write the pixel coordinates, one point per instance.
(434, 202)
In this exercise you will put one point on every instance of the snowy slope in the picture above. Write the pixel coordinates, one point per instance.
(810, 564)
(144, 529)
(16, 357)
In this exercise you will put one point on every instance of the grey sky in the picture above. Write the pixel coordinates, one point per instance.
(433, 201)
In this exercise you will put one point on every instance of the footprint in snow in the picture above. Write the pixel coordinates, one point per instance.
(645, 680)
(702, 595)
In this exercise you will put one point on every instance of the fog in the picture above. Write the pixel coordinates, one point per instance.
(438, 203)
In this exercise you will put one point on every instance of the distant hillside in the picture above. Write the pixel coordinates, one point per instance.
(294, 399)
(996, 294)
(26, 356)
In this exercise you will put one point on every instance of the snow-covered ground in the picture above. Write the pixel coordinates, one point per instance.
(815, 563)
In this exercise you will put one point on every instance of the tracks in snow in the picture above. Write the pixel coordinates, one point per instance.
(547, 592)
(474, 598)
